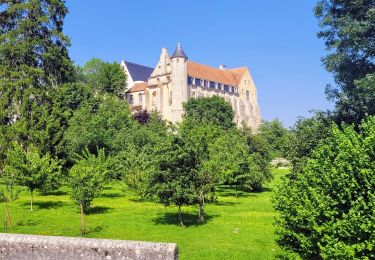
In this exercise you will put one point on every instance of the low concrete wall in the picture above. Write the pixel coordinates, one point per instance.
(14, 246)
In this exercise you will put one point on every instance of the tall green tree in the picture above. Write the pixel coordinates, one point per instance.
(103, 124)
(103, 77)
(327, 210)
(276, 135)
(348, 29)
(34, 61)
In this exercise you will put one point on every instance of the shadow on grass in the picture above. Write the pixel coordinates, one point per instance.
(55, 193)
(45, 204)
(98, 210)
(111, 195)
(95, 229)
(224, 203)
(137, 200)
(189, 219)
(28, 223)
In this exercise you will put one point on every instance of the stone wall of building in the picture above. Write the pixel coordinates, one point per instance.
(20, 247)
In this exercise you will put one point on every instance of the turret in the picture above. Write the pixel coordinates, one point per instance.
(179, 92)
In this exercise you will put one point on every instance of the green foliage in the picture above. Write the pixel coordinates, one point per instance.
(347, 28)
(327, 210)
(237, 165)
(87, 177)
(276, 135)
(34, 62)
(213, 110)
(236, 228)
(103, 77)
(139, 155)
(104, 124)
(32, 169)
(306, 134)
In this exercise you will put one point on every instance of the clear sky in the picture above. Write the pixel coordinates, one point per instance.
(275, 39)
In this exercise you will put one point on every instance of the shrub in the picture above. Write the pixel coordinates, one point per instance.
(327, 209)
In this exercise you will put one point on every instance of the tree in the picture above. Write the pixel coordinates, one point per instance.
(348, 30)
(103, 124)
(238, 166)
(327, 210)
(305, 135)
(103, 77)
(213, 110)
(8, 194)
(143, 117)
(171, 182)
(276, 135)
(195, 140)
(86, 180)
(32, 169)
(34, 61)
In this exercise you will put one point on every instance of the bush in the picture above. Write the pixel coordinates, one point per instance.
(327, 209)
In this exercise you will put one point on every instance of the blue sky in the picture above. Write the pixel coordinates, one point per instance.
(275, 39)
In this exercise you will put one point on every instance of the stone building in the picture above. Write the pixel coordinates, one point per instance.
(176, 79)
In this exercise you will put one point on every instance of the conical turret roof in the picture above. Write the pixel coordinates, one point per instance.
(179, 52)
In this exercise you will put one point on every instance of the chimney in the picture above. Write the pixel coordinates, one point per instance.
(223, 67)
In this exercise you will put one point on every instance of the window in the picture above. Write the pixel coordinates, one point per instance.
(226, 88)
(189, 80)
(198, 82)
(247, 95)
(140, 98)
(219, 86)
(131, 99)
(212, 84)
(205, 84)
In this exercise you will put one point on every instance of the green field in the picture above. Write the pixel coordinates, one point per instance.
(236, 228)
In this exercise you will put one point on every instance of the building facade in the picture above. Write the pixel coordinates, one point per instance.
(176, 79)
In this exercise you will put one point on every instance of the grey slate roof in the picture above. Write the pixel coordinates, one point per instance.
(179, 52)
(138, 72)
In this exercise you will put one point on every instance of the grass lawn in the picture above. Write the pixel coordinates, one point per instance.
(236, 228)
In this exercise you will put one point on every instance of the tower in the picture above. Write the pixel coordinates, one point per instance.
(179, 90)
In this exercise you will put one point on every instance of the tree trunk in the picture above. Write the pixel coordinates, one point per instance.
(236, 188)
(31, 200)
(8, 221)
(180, 216)
(201, 212)
(82, 221)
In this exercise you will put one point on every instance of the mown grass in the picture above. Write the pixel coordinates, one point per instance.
(236, 228)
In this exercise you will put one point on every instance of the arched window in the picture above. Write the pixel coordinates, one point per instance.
(140, 98)
(247, 95)
(131, 99)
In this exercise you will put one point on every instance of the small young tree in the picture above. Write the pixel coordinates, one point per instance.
(32, 169)
(171, 183)
(86, 180)
(196, 138)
